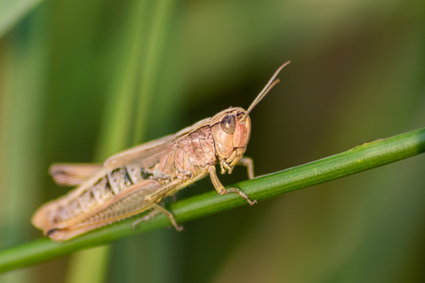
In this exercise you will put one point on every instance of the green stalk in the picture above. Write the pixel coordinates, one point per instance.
(11, 12)
(157, 21)
(358, 159)
(115, 134)
(152, 52)
(21, 108)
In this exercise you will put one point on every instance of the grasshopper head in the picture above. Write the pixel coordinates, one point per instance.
(231, 128)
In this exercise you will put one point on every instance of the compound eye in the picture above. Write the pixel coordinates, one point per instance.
(228, 124)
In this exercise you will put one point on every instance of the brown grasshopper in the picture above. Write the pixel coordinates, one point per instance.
(138, 179)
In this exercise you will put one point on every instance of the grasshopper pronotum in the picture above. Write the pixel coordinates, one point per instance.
(138, 179)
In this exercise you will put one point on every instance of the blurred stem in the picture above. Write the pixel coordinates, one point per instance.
(96, 259)
(158, 18)
(358, 159)
(154, 45)
(115, 133)
(117, 125)
(11, 12)
(22, 98)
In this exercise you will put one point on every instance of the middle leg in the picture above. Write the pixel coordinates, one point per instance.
(222, 190)
(157, 209)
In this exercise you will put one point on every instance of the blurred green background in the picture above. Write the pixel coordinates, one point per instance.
(80, 80)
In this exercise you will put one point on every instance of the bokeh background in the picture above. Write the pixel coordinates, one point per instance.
(80, 80)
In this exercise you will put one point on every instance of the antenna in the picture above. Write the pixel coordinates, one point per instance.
(269, 85)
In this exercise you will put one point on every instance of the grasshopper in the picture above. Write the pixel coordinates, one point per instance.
(138, 179)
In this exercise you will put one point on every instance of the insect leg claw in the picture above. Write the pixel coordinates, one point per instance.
(157, 209)
(242, 194)
(222, 190)
(169, 215)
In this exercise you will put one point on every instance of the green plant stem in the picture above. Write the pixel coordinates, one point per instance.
(11, 12)
(360, 158)
(149, 73)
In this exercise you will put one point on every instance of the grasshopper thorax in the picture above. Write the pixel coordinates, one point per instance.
(231, 129)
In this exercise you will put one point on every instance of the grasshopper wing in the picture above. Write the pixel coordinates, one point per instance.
(147, 154)
(136, 199)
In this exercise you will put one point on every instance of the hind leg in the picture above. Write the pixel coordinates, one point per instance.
(72, 174)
